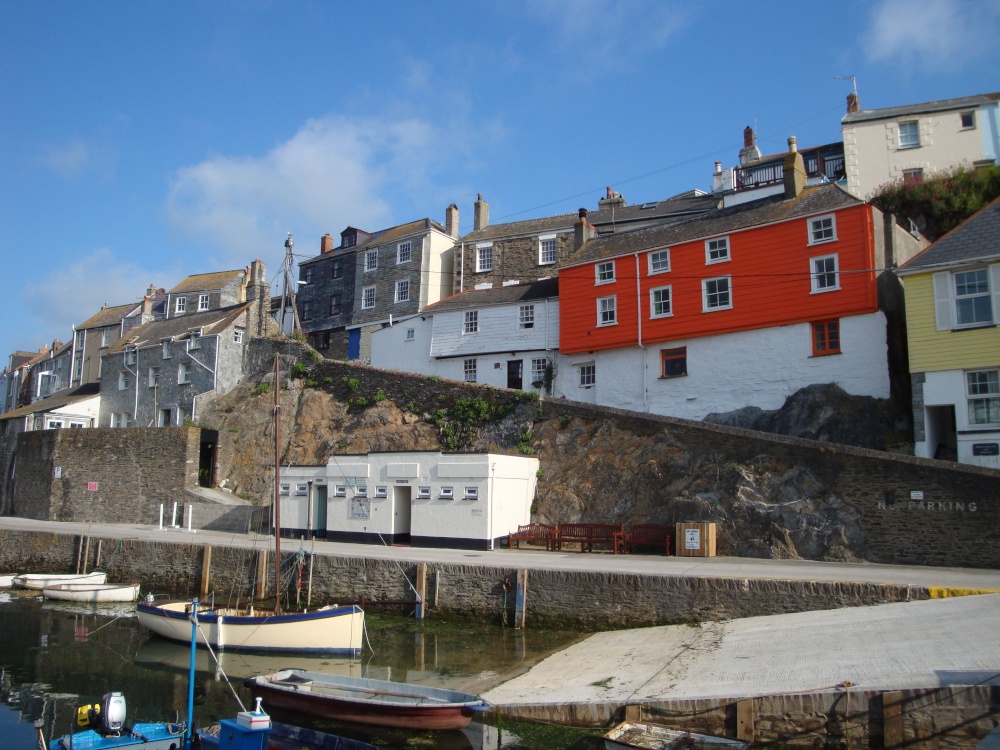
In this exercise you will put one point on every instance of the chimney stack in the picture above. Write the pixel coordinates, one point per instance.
(794, 170)
(451, 221)
(613, 199)
(146, 312)
(151, 291)
(718, 167)
(481, 215)
(748, 137)
(749, 152)
(583, 230)
(325, 244)
(853, 103)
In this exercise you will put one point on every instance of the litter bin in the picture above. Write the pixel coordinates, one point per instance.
(695, 539)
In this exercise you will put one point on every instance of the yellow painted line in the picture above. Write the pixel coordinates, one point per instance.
(940, 592)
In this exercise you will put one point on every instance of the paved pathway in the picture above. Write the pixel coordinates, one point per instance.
(710, 567)
(930, 643)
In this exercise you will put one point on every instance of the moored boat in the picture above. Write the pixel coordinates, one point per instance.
(334, 630)
(633, 735)
(92, 592)
(365, 701)
(106, 729)
(7, 580)
(38, 581)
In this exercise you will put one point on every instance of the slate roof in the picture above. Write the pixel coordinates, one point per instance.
(975, 239)
(85, 391)
(107, 316)
(679, 207)
(399, 232)
(204, 281)
(212, 321)
(941, 105)
(543, 289)
(814, 200)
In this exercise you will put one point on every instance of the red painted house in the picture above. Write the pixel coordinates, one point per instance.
(737, 307)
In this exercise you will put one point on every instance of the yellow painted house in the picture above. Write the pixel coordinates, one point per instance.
(952, 294)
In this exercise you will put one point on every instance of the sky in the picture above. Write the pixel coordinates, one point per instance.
(141, 142)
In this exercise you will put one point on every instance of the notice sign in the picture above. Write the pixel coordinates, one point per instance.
(692, 539)
(986, 449)
(91, 486)
(57, 472)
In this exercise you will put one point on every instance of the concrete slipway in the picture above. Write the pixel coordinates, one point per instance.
(929, 643)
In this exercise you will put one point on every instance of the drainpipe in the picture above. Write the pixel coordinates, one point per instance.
(461, 270)
(493, 476)
(135, 377)
(638, 318)
(72, 358)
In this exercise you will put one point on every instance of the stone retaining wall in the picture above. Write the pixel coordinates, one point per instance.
(596, 600)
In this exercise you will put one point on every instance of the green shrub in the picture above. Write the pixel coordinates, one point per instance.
(316, 356)
(298, 336)
(352, 383)
(261, 388)
(379, 396)
(298, 370)
(327, 380)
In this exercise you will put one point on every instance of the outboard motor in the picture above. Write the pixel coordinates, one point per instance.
(109, 717)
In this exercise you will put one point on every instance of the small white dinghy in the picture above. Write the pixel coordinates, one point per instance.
(92, 592)
(38, 581)
(7, 580)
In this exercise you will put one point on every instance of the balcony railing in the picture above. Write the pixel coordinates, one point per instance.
(772, 172)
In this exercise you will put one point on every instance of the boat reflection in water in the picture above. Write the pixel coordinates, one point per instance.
(157, 653)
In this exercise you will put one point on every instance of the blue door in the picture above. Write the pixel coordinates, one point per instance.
(354, 343)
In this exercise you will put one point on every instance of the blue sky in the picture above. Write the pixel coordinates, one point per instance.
(144, 141)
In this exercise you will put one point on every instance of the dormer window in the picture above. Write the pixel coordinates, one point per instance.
(180, 305)
(348, 239)
(203, 302)
(130, 356)
(195, 339)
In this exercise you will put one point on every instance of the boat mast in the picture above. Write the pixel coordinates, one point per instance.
(277, 491)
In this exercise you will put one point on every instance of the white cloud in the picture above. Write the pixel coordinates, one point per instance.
(69, 294)
(931, 34)
(609, 34)
(335, 171)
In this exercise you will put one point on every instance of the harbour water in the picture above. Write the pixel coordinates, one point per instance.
(55, 657)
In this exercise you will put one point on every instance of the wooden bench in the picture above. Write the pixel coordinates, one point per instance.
(588, 534)
(657, 535)
(538, 533)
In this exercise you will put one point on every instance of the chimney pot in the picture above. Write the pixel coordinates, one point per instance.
(793, 144)
(718, 167)
(481, 214)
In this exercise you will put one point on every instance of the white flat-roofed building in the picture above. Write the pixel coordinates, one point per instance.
(424, 498)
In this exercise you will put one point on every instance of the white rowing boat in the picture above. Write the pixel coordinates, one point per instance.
(92, 592)
(38, 581)
(7, 580)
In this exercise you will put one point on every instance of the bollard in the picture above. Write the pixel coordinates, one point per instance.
(161, 516)
(173, 518)
(190, 513)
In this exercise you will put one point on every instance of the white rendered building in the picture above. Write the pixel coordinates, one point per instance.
(423, 498)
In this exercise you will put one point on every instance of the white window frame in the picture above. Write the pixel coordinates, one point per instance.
(204, 301)
(607, 311)
(105, 337)
(447, 492)
(705, 299)
(989, 397)
(195, 341)
(167, 352)
(470, 370)
(285, 489)
(404, 252)
(153, 377)
(471, 493)
(961, 120)
(652, 302)
(818, 277)
(424, 492)
(547, 250)
(123, 379)
(402, 291)
(381, 491)
(238, 334)
(361, 490)
(658, 261)
(180, 305)
(484, 257)
(371, 260)
(470, 322)
(368, 298)
(538, 367)
(184, 373)
(947, 298)
(588, 374)
(302, 489)
(720, 247)
(131, 355)
(340, 490)
(911, 138)
(819, 233)
(604, 272)
(411, 334)
(55, 424)
(526, 316)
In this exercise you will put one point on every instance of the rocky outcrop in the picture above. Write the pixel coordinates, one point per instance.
(828, 413)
